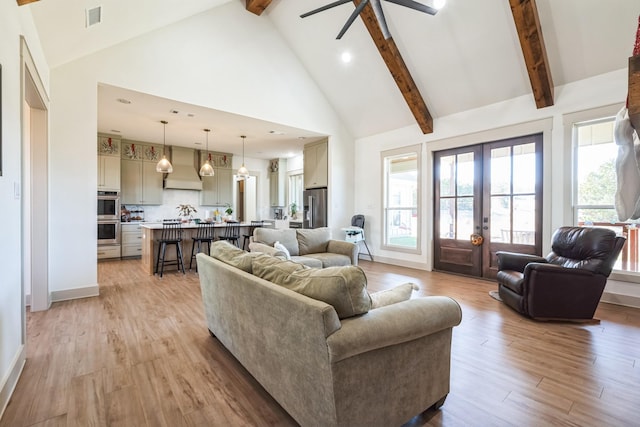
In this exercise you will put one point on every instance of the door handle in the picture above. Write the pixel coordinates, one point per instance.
(476, 239)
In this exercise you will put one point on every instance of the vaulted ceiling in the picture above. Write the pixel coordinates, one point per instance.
(471, 54)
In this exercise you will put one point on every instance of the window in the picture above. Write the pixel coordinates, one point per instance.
(401, 199)
(594, 185)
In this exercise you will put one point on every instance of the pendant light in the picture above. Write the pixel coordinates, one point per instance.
(243, 173)
(164, 165)
(207, 169)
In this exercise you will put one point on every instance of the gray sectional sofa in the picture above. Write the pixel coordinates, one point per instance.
(358, 362)
(311, 247)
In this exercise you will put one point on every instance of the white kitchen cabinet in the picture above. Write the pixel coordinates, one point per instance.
(108, 163)
(316, 164)
(108, 173)
(131, 240)
(140, 183)
(217, 190)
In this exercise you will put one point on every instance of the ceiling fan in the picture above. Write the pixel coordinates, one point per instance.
(377, 8)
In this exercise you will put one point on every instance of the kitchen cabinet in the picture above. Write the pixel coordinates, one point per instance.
(108, 251)
(131, 240)
(277, 181)
(108, 163)
(217, 190)
(140, 183)
(316, 164)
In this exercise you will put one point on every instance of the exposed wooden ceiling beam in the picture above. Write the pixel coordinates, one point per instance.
(23, 2)
(525, 16)
(256, 6)
(634, 92)
(392, 57)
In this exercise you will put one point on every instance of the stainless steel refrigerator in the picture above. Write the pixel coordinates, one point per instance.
(315, 208)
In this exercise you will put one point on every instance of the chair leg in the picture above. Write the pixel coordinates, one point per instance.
(368, 251)
(155, 271)
(180, 260)
(192, 250)
(164, 251)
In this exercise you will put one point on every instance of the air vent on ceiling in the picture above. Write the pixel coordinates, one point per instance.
(94, 16)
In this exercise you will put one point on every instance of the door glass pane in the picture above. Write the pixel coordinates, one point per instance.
(465, 218)
(447, 218)
(524, 219)
(501, 219)
(447, 176)
(501, 170)
(524, 168)
(465, 174)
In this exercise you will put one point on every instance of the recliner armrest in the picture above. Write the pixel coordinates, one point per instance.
(516, 261)
(344, 248)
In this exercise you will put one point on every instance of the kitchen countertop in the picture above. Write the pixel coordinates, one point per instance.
(158, 225)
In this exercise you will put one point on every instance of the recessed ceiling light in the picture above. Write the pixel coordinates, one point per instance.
(346, 57)
(115, 131)
(276, 132)
(190, 115)
(123, 100)
(174, 111)
(439, 4)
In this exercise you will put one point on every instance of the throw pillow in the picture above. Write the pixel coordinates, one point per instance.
(313, 241)
(282, 248)
(345, 288)
(391, 296)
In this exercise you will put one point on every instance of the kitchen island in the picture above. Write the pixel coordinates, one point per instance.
(151, 233)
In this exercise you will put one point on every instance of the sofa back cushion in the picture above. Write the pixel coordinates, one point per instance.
(230, 254)
(345, 288)
(313, 241)
(269, 236)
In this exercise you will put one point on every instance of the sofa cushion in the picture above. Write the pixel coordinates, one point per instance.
(269, 236)
(394, 295)
(328, 259)
(345, 288)
(311, 241)
(230, 254)
(274, 269)
(308, 261)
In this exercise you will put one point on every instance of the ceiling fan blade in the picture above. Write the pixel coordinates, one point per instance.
(325, 7)
(411, 4)
(377, 9)
(352, 18)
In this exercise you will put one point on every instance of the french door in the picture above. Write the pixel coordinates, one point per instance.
(488, 198)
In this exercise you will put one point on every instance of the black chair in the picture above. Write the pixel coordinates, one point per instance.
(204, 235)
(171, 235)
(247, 237)
(566, 284)
(231, 232)
(355, 234)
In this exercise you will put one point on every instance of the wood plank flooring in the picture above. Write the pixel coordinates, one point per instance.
(140, 355)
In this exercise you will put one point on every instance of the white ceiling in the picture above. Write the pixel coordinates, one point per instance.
(466, 56)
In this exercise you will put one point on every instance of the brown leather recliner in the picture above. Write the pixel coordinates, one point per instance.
(568, 283)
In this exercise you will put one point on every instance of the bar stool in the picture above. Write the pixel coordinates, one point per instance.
(171, 235)
(254, 225)
(231, 232)
(203, 235)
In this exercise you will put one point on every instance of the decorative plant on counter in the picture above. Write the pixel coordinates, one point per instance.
(186, 211)
(294, 210)
(229, 210)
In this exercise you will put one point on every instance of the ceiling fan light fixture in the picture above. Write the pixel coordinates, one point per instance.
(164, 165)
(207, 169)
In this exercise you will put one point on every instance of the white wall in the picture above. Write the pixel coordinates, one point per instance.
(14, 22)
(507, 119)
(223, 59)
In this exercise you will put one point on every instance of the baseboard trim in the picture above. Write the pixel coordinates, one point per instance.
(11, 380)
(67, 294)
(620, 299)
(401, 263)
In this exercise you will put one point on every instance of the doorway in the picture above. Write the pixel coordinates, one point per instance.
(246, 199)
(488, 198)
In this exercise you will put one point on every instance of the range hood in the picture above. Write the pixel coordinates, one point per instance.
(184, 175)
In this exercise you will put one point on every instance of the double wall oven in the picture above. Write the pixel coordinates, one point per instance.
(109, 219)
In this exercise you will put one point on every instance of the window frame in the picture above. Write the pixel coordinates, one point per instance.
(396, 153)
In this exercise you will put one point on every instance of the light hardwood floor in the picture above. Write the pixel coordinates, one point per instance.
(140, 355)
